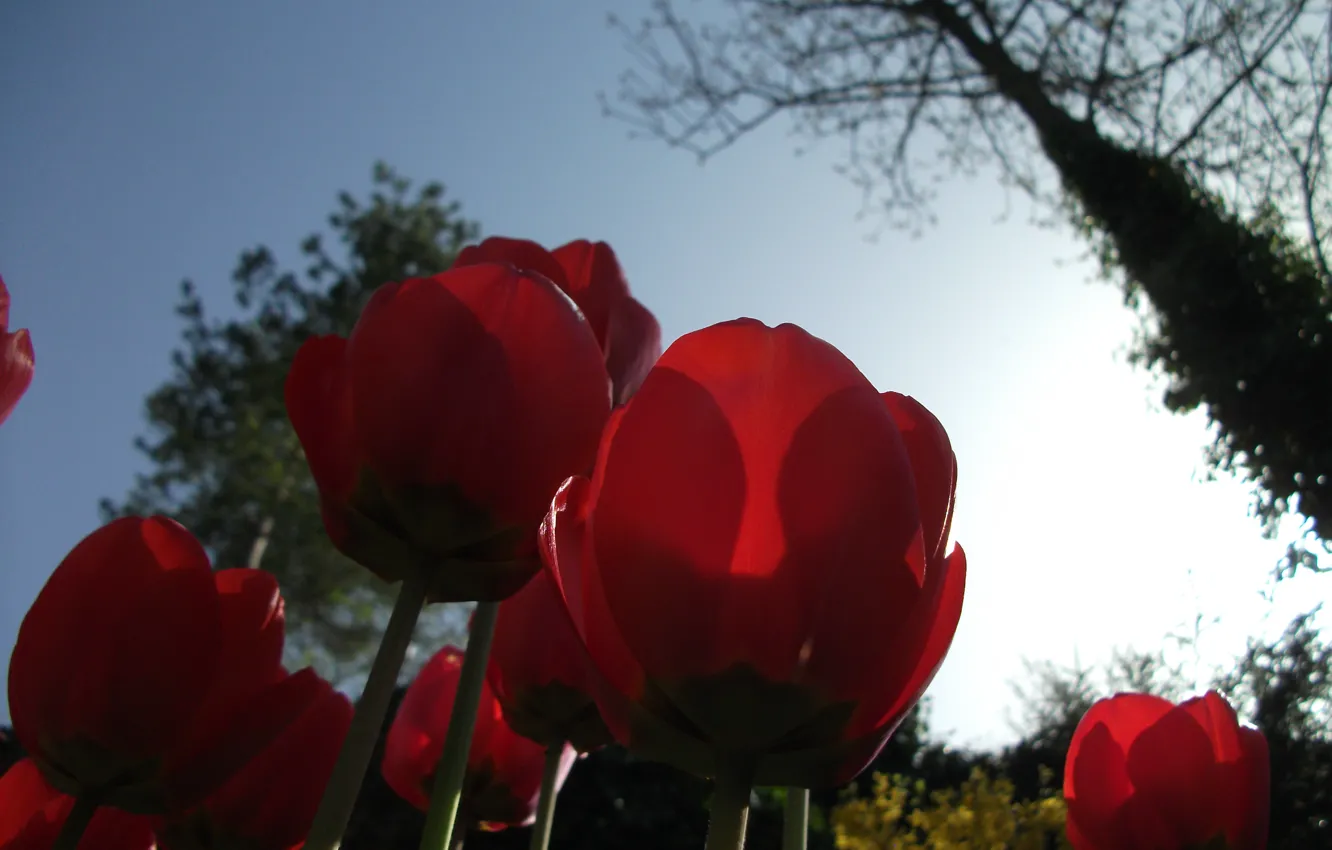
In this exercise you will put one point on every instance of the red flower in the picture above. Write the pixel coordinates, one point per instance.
(758, 566)
(503, 768)
(539, 673)
(439, 431)
(16, 360)
(270, 803)
(589, 272)
(140, 676)
(33, 813)
(1143, 772)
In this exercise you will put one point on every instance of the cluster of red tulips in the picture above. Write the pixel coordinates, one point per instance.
(733, 557)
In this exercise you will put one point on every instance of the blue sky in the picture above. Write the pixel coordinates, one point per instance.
(146, 142)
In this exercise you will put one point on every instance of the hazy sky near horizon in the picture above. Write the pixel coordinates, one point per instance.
(145, 143)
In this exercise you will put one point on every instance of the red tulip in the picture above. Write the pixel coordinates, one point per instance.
(140, 677)
(1142, 772)
(439, 431)
(270, 803)
(504, 769)
(589, 272)
(758, 566)
(16, 359)
(539, 673)
(34, 812)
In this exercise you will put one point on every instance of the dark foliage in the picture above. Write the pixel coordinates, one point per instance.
(612, 800)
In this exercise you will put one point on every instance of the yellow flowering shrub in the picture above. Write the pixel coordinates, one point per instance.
(981, 815)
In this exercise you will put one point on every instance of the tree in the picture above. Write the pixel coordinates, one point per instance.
(1184, 138)
(226, 462)
(1285, 689)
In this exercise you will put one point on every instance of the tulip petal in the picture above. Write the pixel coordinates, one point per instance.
(595, 281)
(416, 739)
(505, 354)
(1142, 772)
(934, 466)
(533, 638)
(1096, 781)
(215, 752)
(1217, 719)
(34, 812)
(16, 359)
(1232, 778)
(416, 736)
(904, 678)
(538, 668)
(566, 552)
(26, 795)
(627, 331)
(614, 675)
(521, 254)
(272, 800)
(1078, 837)
(654, 577)
(16, 368)
(1125, 716)
(120, 646)
(1106, 732)
(633, 345)
(849, 515)
(318, 399)
(705, 445)
(825, 765)
(512, 769)
(1172, 767)
(253, 629)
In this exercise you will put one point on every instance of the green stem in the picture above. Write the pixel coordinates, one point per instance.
(546, 802)
(349, 771)
(795, 825)
(75, 824)
(452, 768)
(730, 806)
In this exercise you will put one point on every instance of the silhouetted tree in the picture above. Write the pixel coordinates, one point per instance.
(226, 462)
(1285, 689)
(1181, 136)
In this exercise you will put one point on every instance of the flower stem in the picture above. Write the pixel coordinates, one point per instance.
(795, 825)
(546, 802)
(730, 806)
(452, 768)
(349, 771)
(77, 821)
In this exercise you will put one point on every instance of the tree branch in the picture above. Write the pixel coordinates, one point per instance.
(1245, 72)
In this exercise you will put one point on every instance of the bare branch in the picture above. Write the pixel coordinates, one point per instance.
(1282, 30)
(1103, 60)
